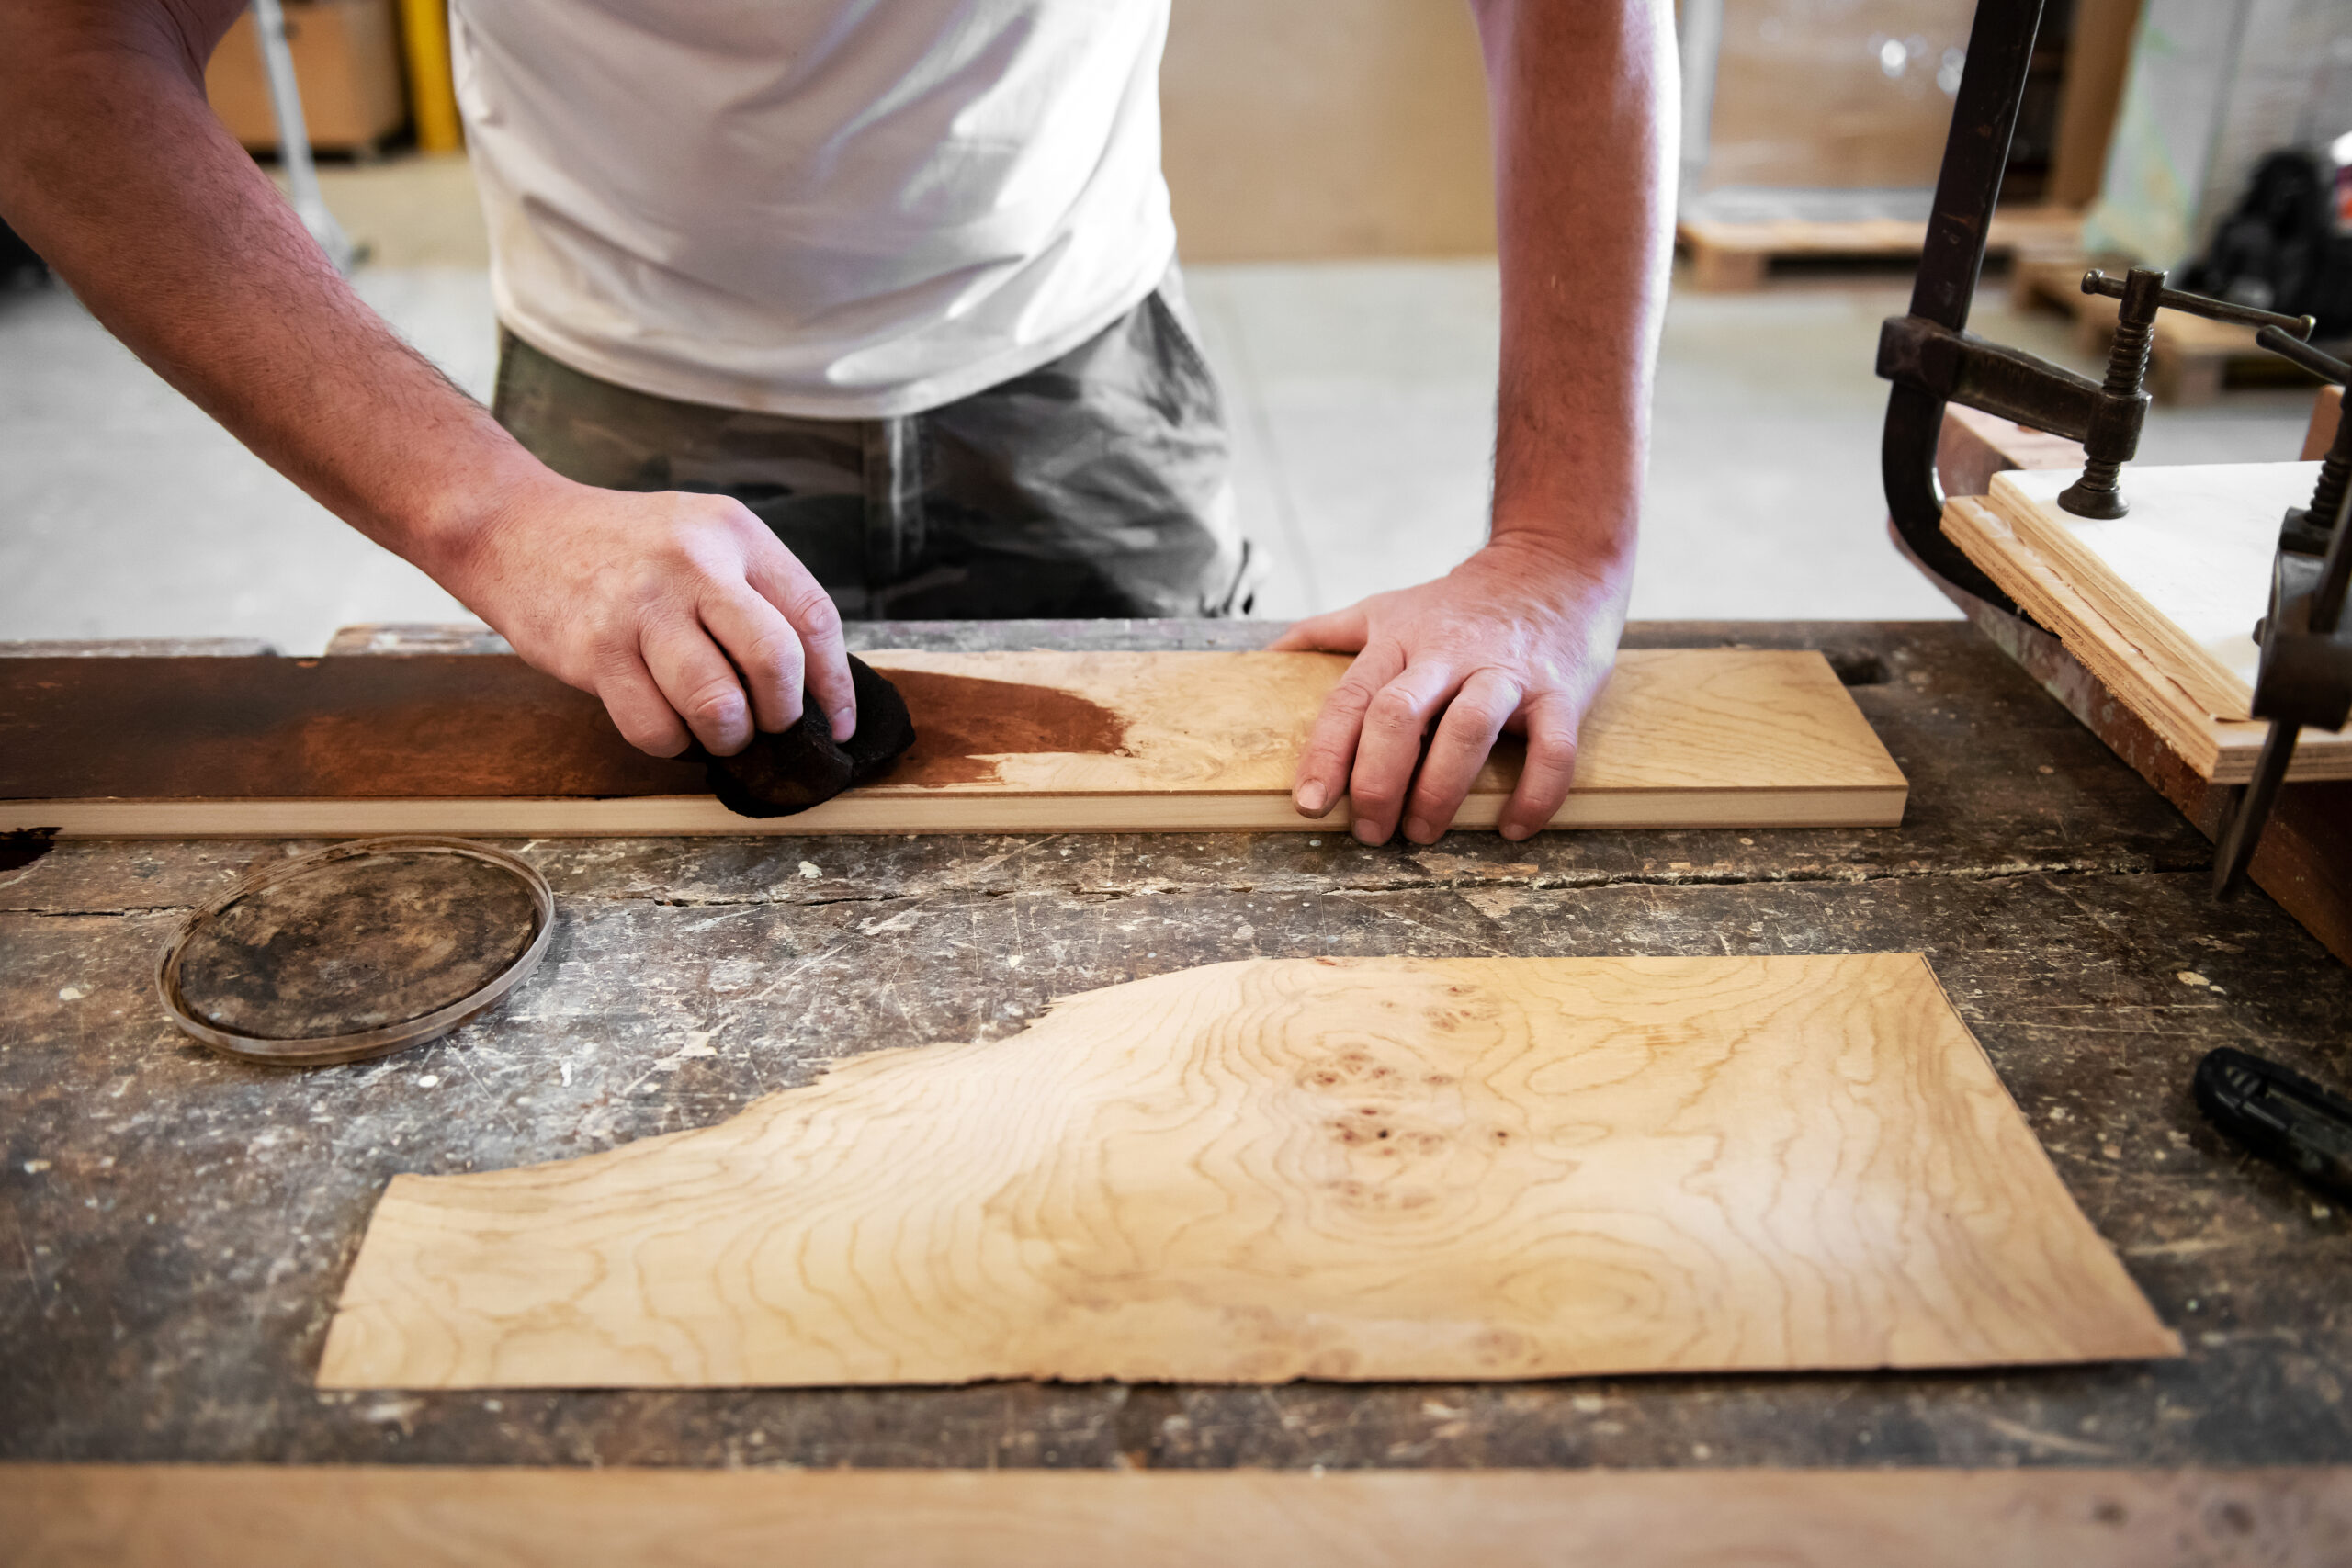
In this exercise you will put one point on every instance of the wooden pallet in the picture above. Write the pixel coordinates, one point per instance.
(2193, 357)
(1733, 257)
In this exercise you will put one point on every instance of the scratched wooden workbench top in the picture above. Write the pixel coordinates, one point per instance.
(175, 1227)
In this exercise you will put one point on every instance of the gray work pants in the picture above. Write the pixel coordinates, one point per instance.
(1094, 486)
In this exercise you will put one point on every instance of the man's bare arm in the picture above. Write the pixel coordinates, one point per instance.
(1523, 634)
(115, 169)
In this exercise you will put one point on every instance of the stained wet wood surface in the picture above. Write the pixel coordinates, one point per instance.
(175, 1227)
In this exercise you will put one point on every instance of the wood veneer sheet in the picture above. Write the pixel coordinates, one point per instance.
(2185, 574)
(1276, 1169)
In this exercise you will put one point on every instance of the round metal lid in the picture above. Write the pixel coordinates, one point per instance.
(356, 951)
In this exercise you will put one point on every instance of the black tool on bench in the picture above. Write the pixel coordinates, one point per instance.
(2280, 1115)
(1933, 359)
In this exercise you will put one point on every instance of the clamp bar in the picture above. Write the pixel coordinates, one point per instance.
(1984, 118)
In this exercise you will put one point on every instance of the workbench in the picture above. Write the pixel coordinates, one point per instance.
(177, 1226)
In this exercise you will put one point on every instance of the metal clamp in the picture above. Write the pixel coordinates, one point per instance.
(2305, 676)
(2112, 437)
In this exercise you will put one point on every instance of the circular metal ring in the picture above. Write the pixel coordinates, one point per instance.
(359, 1044)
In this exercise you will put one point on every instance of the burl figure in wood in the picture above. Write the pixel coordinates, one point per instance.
(1376, 1168)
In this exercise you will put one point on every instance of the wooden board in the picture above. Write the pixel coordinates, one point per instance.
(1008, 742)
(1276, 1169)
(161, 1516)
(1729, 257)
(2185, 574)
(2217, 750)
(346, 62)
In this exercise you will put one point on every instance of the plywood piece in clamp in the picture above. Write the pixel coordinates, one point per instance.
(1008, 742)
(2221, 751)
(2185, 574)
(1278, 1168)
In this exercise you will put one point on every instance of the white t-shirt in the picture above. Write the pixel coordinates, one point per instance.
(837, 209)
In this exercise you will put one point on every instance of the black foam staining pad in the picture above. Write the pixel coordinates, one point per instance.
(779, 775)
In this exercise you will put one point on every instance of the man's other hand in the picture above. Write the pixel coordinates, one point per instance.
(1519, 638)
(681, 611)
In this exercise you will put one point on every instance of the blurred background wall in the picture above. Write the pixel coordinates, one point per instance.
(1299, 129)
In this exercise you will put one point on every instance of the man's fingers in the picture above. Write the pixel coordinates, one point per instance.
(700, 684)
(1464, 736)
(1390, 745)
(781, 580)
(763, 648)
(1330, 750)
(1341, 631)
(640, 711)
(1552, 721)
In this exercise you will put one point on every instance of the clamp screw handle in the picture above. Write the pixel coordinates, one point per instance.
(2142, 293)
(2195, 304)
(2098, 493)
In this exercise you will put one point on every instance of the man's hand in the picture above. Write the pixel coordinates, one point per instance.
(1519, 638)
(681, 611)
(674, 608)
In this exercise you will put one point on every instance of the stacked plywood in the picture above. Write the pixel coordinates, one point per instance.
(2159, 605)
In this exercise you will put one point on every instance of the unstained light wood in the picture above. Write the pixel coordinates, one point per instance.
(174, 1515)
(2222, 751)
(1680, 738)
(1277, 1168)
(2185, 573)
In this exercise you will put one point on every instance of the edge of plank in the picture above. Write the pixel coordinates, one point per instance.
(2195, 669)
(684, 815)
(2222, 751)
(192, 1515)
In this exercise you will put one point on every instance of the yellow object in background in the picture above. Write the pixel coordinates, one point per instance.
(432, 91)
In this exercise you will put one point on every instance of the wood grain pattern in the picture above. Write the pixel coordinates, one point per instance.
(159, 1516)
(477, 744)
(1276, 1169)
(2221, 751)
(2186, 574)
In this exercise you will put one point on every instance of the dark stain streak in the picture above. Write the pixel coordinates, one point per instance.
(20, 849)
(962, 719)
(429, 727)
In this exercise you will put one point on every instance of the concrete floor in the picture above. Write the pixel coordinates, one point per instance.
(1360, 394)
